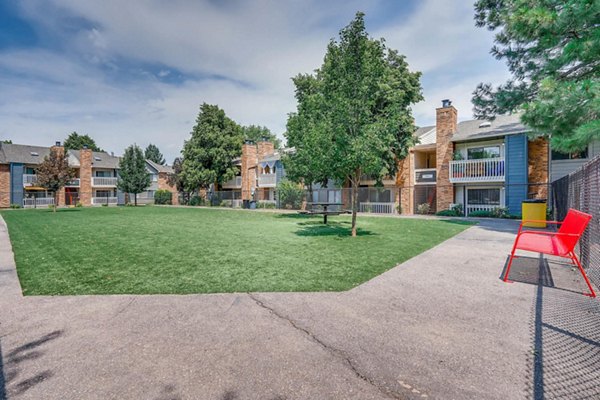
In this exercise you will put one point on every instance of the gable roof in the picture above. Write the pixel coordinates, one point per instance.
(426, 135)
(160, 168)
(479, 129)
(21, 153)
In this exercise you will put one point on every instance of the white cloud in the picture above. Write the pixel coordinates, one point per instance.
(111, 62)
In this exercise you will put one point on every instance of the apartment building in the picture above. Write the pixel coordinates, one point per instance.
(479, 164)
(95, 182)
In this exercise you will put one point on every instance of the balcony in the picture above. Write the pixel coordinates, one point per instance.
(235, 183)
(104, 182)
(73, 183)
(267, 180)
(425, 176)
(483, 170)
(35, 202)
(29, 179)
(97, 201)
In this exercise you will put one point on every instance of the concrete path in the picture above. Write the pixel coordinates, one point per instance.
(440, 326)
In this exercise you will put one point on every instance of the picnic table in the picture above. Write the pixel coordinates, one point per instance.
(321, 209)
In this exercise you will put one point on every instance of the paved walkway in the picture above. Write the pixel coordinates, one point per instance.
(440, 326)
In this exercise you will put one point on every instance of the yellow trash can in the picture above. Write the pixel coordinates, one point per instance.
(534, 210)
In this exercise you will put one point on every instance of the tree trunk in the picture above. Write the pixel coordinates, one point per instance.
(135, 199)
(55, 200)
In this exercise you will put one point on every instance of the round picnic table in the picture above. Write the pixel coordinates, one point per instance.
(324, 204)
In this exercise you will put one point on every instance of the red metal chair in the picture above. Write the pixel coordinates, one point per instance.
(561, 243)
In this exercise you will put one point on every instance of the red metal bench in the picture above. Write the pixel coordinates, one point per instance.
(561, 243)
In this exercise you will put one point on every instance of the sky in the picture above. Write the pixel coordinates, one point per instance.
(137, 72)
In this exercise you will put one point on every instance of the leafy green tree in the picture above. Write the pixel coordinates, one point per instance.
(76, 141)
(54, 172)
(551, 48)
(7, 141)
(257, 133)
(354, 115)
(207, 156)
(290, 194)
(152, 153)
(133, 176)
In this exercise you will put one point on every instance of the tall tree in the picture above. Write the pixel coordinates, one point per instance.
(76, 141)
(354, 113)
(207, 156)
(257, 133)
(152, 153)
(551, 48)
(54, 172)
(133, 176)
(7, 141)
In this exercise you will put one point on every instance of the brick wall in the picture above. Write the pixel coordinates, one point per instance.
(446, 121)
(404, 183)
(249, 163)
(163, 184)
(85, 174)
(264, 149)
(4, 185)
(537, 160)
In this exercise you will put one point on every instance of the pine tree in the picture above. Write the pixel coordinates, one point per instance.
(133, 176)
(152, 153)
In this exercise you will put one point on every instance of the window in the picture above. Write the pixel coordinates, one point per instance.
(29, 171)
(484, 196)
(154, 177)
(103, 193)
(103, 174)
(478, 153)
(579, 155)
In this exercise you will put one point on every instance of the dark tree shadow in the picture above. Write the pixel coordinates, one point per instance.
(332, 228)
(11, 381)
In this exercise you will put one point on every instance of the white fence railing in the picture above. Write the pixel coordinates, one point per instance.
(38, 202)
(233, 203)
(484, 170)
(234, 183)
(104, 200)
(267, 180)
(480, 207)
(29, 179)
(103, 181)
(377, 208)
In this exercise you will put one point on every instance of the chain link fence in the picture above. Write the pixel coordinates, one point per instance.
(581, 190)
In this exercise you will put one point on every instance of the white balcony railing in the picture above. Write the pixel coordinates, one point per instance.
(267, 180)
(377, 208)
(74, 183)
(38, 202)
(103, 181)
(480, 207)
(29, 179)
(235, 183)
(484, 170)
(104, 200)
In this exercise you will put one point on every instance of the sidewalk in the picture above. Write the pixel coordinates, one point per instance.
(442, 325)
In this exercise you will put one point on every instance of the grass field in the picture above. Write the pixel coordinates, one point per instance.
(147, 250)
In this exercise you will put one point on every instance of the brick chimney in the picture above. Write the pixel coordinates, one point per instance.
(249, 163)
(265, 148)
(85, 175)
(446, 121)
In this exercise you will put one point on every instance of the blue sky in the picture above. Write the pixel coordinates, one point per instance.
(136, 72)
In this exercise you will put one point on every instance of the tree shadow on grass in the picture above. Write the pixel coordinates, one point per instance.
(333, 228)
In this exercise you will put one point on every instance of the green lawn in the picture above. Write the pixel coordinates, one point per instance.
(180, 250)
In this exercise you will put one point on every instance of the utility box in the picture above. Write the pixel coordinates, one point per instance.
(534, 209)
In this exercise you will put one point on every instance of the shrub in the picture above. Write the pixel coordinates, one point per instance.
(458, 209)
(50, 205)
(163, 196)
(500, 212)
(196, 201)
(78, 204)
(15, 205)
(265, 205)
(399, 209)
(104, 205)
(481, 214)
(446, 213)
(423, 208)
(290, 194)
